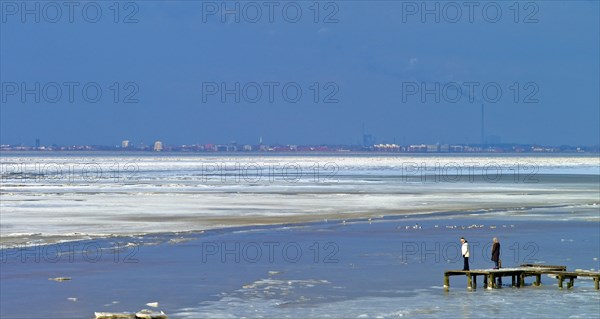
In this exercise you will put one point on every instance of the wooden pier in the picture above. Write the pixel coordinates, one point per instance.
(519, 274)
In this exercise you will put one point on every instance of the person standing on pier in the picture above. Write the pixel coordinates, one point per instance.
(496, 257)
(496, 253)
(465, 253)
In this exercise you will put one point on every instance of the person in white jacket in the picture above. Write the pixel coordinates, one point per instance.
(465, 253)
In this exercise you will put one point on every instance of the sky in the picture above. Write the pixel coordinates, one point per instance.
(297, 72)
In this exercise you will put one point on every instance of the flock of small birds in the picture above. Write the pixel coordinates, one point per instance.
(473, 226)
(417, 226)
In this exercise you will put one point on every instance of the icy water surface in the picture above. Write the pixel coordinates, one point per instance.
(295, 236)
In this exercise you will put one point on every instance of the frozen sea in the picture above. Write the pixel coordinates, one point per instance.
(350, 236)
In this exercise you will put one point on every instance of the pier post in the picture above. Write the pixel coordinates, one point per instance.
(521, 280)
(446, 281)
(597, 283)
(474, 281)
(514, 282)
(490, 280)
(570, 283)
(538, 280)
(469, 281)
(560, 281)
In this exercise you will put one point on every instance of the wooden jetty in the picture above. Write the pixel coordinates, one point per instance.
(519, 274)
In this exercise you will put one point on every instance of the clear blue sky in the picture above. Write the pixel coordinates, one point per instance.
(367, 56)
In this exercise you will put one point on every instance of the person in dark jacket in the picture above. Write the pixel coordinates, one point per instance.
(496, 257)
(496, 253)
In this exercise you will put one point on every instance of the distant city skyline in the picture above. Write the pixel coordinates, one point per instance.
(365, 138)
(367, 146)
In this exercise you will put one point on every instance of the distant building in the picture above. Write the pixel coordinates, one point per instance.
(37, 143)
(432, 148)
(125, 144)
(387, 147)
(158, 146)
(417, 148)
(225, 148)
(457, 148)
(472, 149)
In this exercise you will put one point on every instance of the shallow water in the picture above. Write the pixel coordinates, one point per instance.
(357, 269)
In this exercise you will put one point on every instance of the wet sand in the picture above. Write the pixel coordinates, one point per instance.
(202, 223)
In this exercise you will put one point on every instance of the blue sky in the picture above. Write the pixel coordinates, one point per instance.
(365, 56)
